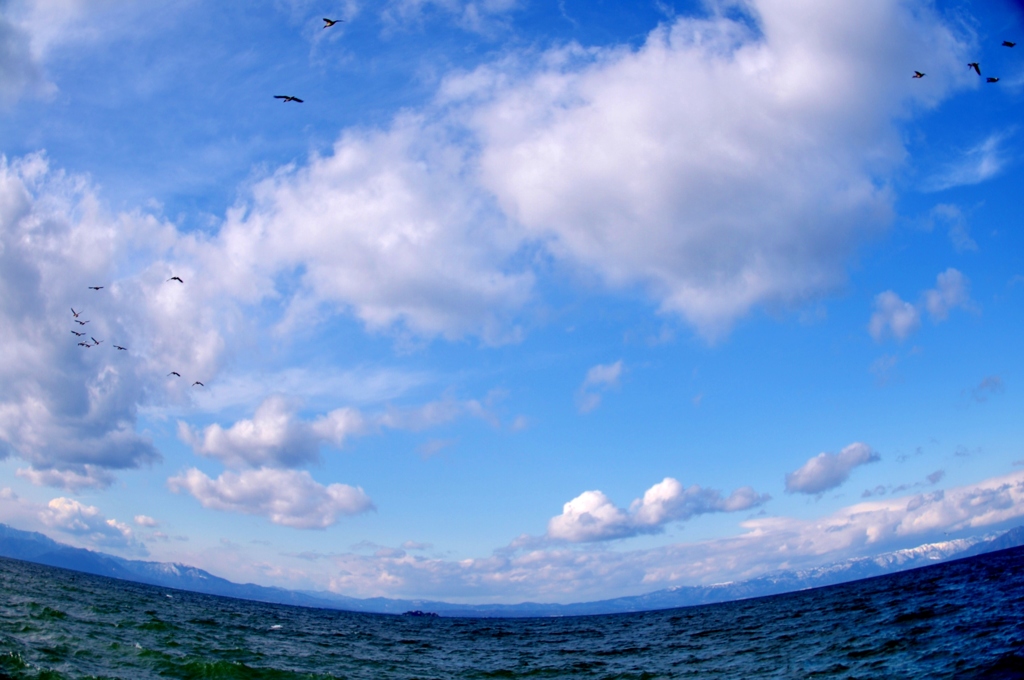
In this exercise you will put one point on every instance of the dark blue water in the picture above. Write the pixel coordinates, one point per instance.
(958, 620)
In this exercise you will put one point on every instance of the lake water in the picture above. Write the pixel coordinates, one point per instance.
(957, 620)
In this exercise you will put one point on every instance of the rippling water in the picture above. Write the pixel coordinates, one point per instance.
(956, 620)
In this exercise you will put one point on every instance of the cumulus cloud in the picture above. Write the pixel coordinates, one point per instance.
(599, 158)
(88, 523)
(550, 572)
(290, 498)
(709, 165)
(389, 226)
(950, 292)
(73, 479)
(146, 521)
(70, 412)
(828, 470)
(592, 516)
(893, 316)
(598, 379)
(274, 437)
(602, 159)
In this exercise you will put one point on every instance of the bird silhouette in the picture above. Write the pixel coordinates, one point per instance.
(74, 313)
(287, 98)
(917, 74)
(95, 341)
(991, 80)
(198, 383)
(81, 323)
(78, 334)
(95, 287)
(975, 66)
(176, 278)
(173, 373)
(123, 349)
(329, 22)
(1007, 43)
(84, 344)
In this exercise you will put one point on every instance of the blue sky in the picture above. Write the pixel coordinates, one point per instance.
(546, 301)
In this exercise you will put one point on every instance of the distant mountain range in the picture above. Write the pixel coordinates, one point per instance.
(35, 547)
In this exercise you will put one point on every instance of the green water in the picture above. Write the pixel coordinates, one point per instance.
(956, 620)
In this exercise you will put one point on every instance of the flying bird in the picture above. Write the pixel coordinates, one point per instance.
(1007, 43)
(84, 344)
(78, 334)
(287, 98)
(123, 349)
(74, 313)
(198, 383)
(917, 74)
(173, 373)
(95, 287)
(975, 66)
(991, 80)
(81, 323)
(95, 341)
(328, 22)
(176, 278)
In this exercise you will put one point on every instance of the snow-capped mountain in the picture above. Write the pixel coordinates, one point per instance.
(35, 547)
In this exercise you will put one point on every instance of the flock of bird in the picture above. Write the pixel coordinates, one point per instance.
(96, 343)
(973, 65)
(285, 98)
(76, 314)
(290, 98)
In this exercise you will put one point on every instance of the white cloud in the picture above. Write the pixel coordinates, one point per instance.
(481, 16)
(389, 226)
(146, 521)
(598, 379)
(950, 292)
(592, 516)
(274, 437)
(435, 446)
(829, 470)
(67, 410)
(277, 437)
(74, 479)
(893, 316)
(433, 413)
(290, 498)
(89, 524)
(710, 165)
(979, 163)
(958, 229)
(31, 30)
(603, 375)
(20, 71)
(554, 573)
